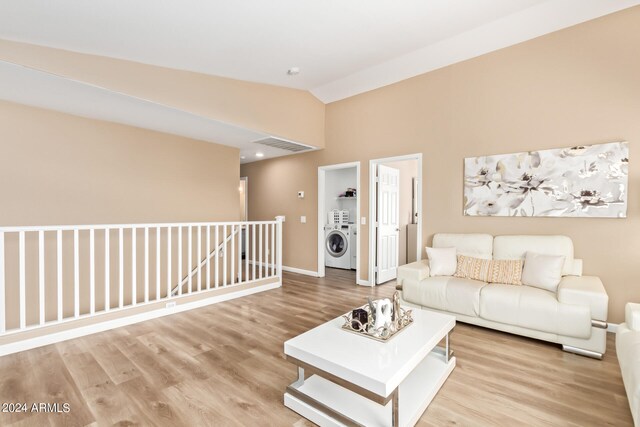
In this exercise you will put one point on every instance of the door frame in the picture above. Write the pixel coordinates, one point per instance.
(322, 170)
(373, 201)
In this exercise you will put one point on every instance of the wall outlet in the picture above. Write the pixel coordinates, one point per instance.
(300, 194)
(280, 217)
(303, 219)
(363, 220)
(171, 304)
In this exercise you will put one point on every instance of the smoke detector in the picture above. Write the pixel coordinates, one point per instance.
(293, 71)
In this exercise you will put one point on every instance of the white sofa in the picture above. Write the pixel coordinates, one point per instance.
(628, 349)
(575, 316)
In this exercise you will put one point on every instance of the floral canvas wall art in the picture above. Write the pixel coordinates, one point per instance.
(583, 181)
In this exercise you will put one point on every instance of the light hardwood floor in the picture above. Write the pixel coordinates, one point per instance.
(223, 365)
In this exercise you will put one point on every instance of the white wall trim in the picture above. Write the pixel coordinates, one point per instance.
(300, 271)
(373, 194)
(40, 341)
(364, 282)
(612, 327)
(321, 215)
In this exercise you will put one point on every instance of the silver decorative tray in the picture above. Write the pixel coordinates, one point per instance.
(382, 334)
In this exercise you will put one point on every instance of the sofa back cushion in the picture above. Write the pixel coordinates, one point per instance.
(473, 245)
(516, 247)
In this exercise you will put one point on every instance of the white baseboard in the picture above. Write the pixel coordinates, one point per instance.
(300, 271)
(612, 327)
(285, 268)
(40, 341)
(364, 282)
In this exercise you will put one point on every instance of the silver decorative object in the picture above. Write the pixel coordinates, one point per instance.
(401, 319)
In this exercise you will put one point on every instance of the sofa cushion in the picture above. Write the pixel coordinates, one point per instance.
(442, 261)
(542, 271)
(475, 245)
(632, 316)
(515, 247)
(451, 294)
(628, 350)
(534, 308)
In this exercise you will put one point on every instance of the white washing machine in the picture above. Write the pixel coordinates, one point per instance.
(337, 246)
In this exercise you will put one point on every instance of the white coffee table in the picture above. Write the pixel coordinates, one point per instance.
(346, 379)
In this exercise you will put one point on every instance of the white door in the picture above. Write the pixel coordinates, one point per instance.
(388, 229)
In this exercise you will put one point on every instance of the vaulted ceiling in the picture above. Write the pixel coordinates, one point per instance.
(341, 48)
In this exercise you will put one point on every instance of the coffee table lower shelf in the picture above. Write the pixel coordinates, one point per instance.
(415, 394)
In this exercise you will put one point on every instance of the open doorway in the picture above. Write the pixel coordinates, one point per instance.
(338, 218)
(395, 226)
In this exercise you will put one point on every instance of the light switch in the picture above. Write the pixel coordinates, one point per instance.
(303, 219)
(363, 220)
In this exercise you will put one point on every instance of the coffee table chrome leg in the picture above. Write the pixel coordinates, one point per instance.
(395, 413)
(446, 350)
(300, 380)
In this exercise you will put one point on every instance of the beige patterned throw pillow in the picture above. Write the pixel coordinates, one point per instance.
(507, 271)
(492, 271)
(473, 268)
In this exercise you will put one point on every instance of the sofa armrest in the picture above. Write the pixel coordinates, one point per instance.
(585, 290)
(416, 271)
(632, 316)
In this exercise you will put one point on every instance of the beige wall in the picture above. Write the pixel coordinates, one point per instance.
(61, 169)
(576, 86)
(288, 113)
(58, 169)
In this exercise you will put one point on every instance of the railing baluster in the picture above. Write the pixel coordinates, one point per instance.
(233, 253)
(23, 283)
(92, 271)
(121, 267)
(246, 252)
(134, 271)
(273, 250)
(239, 253)
(146, 264)
(168, 263)
(41, 275)
(158, 242)
(208, 256)
(199, 258)
(258, 243)
(266, 250)
(107, 272)
(253, 251)
(3, 307)
(59, 259)
(260, 264)
(217, 263)
(224, 255)
(76, 273)
(190, 252)
(179, 260)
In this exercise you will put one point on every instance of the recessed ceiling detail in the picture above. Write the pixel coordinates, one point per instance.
(37, 88)
(283, 144)
(343, 47)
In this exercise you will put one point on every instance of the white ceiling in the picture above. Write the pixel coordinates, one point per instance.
(40, 89)
(343, 47)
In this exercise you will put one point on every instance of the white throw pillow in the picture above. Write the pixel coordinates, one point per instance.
(542, 271)
(442, 261)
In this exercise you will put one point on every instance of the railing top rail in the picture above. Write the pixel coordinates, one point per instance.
(14, 229)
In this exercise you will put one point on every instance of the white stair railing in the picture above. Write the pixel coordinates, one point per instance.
(56, 274)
